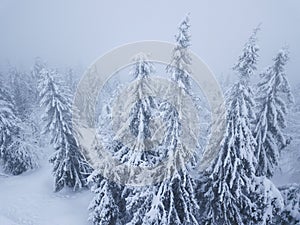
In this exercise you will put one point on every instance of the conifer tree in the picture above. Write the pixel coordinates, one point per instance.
(70, 167)
(232, 193)
(247, 61)
(105, 206)
(181, 60)
(140, 107)
(171, 201)
(16, 154)
(291, 212)
(274, 89)
(174, 200)
(228, 191)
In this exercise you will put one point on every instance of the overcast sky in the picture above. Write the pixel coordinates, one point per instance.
(72, 32)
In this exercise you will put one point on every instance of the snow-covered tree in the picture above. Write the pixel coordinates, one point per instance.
(70, 167)
(233, 194)
(22, 93)
(174, 199)
(228, 191)
(138, 202)
(181, 60)
(19, 157)
(16, 155)
(291, 211)
(274, 89)
(140, 107)
(247, 61)
(36, 71)
(171, 201)
(268, 201)
(105, 206)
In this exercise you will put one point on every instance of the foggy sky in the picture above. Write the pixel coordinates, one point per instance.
(73, 32)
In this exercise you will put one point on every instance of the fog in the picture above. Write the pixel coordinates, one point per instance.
(73, 32)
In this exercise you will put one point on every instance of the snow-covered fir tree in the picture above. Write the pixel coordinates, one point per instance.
(70, 167)
(181, 60)
(22, 93)
(228, 191)
(140, 107)
(171, 201)
(273, 92)
(35, 73)
(268, 200)
(247, 62)
(232, 193)
(291, 212)
(138, 201)
(16, 155)
(174, 200)
(105, 206)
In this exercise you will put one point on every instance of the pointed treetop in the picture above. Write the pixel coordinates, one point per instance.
(183, 38)
(278, 71)
(282, 57)
(247, 61)
(253, 37)
(142, 66)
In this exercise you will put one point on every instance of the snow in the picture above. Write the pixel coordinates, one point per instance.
(28, 199)
(289, 171)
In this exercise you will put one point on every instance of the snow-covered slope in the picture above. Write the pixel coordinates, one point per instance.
(29, 199)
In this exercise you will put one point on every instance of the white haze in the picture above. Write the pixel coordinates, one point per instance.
(73, 32)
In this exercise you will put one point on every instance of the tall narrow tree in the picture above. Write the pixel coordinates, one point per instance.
(233, 194)
(228, 191)
(70, 167)
(140, 107)
(273, 89)
(174, 200)
(181, 60)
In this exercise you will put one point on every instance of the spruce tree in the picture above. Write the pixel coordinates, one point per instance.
(70, 167)
(232, 193)
(291, 212)
(138, 202)
(228, 190)
(139, 152)
(171, 201)
(105, 206)
(174, 200)
(268, 200)
(16, 155)
(274, 89)
(140, 106)
(247, 61)
(181, 60)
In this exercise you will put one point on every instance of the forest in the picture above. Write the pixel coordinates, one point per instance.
(240, 186)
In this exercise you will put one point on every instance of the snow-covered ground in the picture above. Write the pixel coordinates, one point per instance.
(28, 199)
